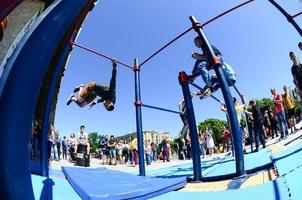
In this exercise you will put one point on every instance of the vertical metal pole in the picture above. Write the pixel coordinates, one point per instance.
(289, 18)
(216, 63)
(183, 80)
(139, 127)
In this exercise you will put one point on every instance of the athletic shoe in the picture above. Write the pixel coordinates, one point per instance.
(78, 88)
(69, 99)
(207, 92)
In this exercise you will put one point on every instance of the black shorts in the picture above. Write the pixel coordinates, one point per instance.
(291, 112)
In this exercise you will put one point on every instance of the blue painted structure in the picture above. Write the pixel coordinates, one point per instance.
(139, 126)
(216, 65)
(17, 82)
(289, 18)
(183, 80)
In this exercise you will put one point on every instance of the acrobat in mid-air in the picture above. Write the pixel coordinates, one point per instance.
(86, 95)
(200, 68)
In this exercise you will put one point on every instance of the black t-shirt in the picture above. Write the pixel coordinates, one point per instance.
(297, 72)
(258, 118)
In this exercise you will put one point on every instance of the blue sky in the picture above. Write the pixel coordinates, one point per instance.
(254, 40)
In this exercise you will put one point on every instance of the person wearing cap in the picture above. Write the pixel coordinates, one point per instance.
(86, 94)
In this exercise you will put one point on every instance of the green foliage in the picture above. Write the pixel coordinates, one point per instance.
(265, 102)
(94, 140)
(174, 146)
(216, 126)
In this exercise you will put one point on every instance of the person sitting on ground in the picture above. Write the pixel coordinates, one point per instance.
(86, 94)
(201, 65)
(82, 139)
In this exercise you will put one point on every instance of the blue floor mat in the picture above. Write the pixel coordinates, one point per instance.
(62, 190)
(101, 183)
(289, 159)
(218, 167)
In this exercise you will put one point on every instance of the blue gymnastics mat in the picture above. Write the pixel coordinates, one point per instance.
(101, 183)
(62, 190)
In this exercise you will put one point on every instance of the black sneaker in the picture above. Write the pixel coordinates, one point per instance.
(69, 99)
(78, 88)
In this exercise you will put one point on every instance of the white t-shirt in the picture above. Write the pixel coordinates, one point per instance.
(82, 137)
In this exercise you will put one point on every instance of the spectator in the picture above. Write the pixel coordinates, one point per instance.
(104, 146)
(82, 139)
(279, 110)
(258, 123)
(273, 121)
(119, 152)
(64, 147)
(226, 136)
(181, 148)
(72, 146)
(112, 151)
(201, 140)
(210, 141)
(154, 151)
(165, 150)
(297, 75)
(125, 153)
(148, 151)
(289, 108)
(188, 147)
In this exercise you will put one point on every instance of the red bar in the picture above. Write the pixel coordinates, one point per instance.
(297, 14)
(97, 53)
(165, 46)
(226, 12)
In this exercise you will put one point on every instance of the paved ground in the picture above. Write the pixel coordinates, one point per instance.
(274, 144)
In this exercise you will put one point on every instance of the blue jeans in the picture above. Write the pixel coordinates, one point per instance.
(154, 155)
(201, 69)
(148, 158)
(112, 153)
(258, 130)
(282, 122)
(54, 152)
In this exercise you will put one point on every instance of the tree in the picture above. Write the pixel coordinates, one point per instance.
(94, 141)
(216, 126)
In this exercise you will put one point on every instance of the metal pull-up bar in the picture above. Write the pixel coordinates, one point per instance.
(290, 18)
(162, 109)
(188, 30)
(99, 54)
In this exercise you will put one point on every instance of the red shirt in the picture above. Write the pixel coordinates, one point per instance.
(278, 106)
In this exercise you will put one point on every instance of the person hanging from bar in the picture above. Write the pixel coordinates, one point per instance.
(182, 109)
(84, 95)
(200, 68)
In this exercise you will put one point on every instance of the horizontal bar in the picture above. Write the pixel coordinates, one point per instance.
(166, 45)
(100, 54)
(226, 12)
(296, 15)
(162, 109)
